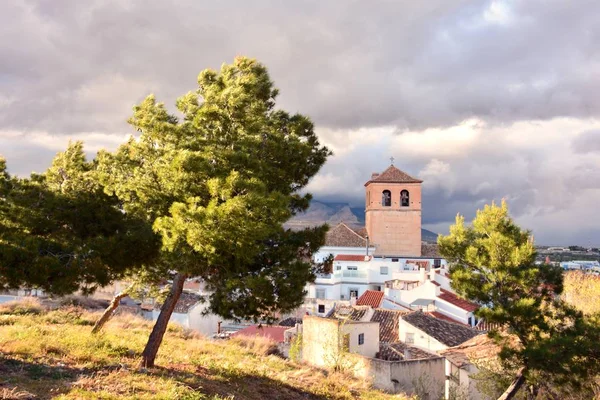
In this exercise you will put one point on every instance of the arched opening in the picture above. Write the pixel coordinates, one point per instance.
(386, 198)
(404, 198)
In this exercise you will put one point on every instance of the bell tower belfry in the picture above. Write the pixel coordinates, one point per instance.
(393, 213)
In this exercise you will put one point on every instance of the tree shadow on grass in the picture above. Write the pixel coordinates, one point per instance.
(29, 379)
(234, 384)
(24, 379)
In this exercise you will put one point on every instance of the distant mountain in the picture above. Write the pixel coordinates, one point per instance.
(333, 213)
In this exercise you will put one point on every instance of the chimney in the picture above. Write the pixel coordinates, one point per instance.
(432, 275)
(219, 327)
(422, 275)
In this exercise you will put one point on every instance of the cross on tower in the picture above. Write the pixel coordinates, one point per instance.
(392, 160)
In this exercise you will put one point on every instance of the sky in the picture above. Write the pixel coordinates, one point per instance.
(483, 100)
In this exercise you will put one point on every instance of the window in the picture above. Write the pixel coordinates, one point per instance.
(338, 267)
(410, 338)
(437, 263)
(352, 268)
(321, 308)
(378, 288)
(470, 323)
(386, 198)
(361, 339)
(383, 270)
(353, 293)
(404, 198)
(321, 294)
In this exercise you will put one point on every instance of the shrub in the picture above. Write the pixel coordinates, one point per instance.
(24, 306)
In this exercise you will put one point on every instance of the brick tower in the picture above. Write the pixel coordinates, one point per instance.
(393, 213)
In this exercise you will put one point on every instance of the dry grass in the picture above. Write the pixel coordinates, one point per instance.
(52, 354)
(27, 305)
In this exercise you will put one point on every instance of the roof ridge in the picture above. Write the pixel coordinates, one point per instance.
(351, 230)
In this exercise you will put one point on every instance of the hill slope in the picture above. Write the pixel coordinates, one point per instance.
(52, 354)
(333, 213)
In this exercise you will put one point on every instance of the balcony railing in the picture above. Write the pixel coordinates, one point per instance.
(354, 274)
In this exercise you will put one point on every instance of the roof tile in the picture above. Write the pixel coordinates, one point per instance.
(351, 257)
(457, 301)
(342, 236)
(448, 333)
(371, 298)
(389, 321)
(393, 175)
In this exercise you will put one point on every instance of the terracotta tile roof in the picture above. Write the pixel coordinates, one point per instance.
(439, 315)
(351, 257)
(362, 232)
(275, 333)
(457, 301)
(348, 313)
(480, 350)
(370, 298)
(399, 351)
(448, 333)
(430, 250)
(389, 321)
(393, 175)
(185, 302)
(342, 236)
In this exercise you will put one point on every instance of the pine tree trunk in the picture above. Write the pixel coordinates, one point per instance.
(160, 327)
(110, 309)
(514, 387)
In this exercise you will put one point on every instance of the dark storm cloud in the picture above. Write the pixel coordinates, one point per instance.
(79, 66)
(71, 69)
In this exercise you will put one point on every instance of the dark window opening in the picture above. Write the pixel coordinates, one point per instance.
(361, 338)
(321, 308)
(386, 198)
(404, 198)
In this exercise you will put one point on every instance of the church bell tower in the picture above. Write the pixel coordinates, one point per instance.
(393, 213)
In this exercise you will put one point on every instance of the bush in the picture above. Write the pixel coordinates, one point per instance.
(24, 306)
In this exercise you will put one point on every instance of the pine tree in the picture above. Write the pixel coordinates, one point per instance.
(59, 232)
(492, 262)
(217, 186)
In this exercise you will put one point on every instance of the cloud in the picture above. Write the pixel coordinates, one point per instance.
(530, 164)
(587, 142)
(483, 99)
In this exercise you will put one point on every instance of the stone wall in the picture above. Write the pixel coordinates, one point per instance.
(425, 378)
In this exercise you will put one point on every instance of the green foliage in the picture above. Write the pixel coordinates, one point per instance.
(492, 262)
(218, 184)
(61, 233)
(296, 348)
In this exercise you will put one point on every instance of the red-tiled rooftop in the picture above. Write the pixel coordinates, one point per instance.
(275, 333)
(457, 301)
(342, 236)
(351, 257)
(371, 298)
(393, 175)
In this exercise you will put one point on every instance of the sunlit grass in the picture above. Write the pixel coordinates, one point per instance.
(52, 354)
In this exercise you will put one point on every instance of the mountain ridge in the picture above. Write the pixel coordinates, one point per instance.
(321, 212)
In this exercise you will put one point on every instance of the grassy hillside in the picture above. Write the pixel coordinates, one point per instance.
(52, 354)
